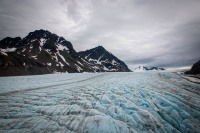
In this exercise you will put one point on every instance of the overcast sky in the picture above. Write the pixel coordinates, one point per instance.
(164, 33)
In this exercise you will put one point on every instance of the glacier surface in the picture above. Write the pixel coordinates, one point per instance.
(99, 102)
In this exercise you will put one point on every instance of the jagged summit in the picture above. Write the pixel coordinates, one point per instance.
(100, 48)
(103, 60)
(47, 40)
(97, 49)
(39, 32)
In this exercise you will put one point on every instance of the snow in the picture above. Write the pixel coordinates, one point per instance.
(99, 102)
(140, 69)
(91, 59)
(80, 63)
(61, 47)
(99, 58)
(62, 58)
(61, 64)
(95, 61)
(40, 48)
(53, 55)
(33, 40)
(95, 67)
(8, 50)
(49, 64)
(87, 56)
(3, 53)
(114, 62)
(105, 68)
(23, 50)
(35, 57)
(78, 68)
(146, 69)
(42, 41)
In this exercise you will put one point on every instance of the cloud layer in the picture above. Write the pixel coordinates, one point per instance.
(140, 32)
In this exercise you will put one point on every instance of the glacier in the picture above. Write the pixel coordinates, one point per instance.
(99, 102)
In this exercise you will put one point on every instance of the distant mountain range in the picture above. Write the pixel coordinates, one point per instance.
(143, 69)
(42, 52)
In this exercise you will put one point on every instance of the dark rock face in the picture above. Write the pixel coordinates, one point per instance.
(195, 69)
(42, 52)
(155, 68)
(49, 40)
(9, 42)
(103, 61)
(14, 64)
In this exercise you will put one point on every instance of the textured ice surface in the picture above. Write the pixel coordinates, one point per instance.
(101, 102)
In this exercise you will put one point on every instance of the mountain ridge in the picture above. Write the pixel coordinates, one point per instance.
(40, 52)
(103, 60)
(143, 69)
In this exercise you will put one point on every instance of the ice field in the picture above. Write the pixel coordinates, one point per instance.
(99, 102)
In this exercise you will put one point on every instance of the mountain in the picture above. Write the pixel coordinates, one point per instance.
(41, 52)
(103, 61)
(140, 69)
(156, 69)
(195, 69)
(143, 69)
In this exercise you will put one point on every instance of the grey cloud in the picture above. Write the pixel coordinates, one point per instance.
(142, 61)
(140, 32)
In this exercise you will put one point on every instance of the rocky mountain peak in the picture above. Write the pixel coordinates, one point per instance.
(37, 34)
(102, 60)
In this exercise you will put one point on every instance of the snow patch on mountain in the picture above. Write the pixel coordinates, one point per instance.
(49, 64)
(145, 69)
(8, 50)
(140, 69)
(3, 53)
(62, 58)
(42, 41)
(61, 47)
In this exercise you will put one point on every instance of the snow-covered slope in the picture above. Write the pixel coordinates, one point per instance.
(99, 102)
(103, 61)
(144, 69)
